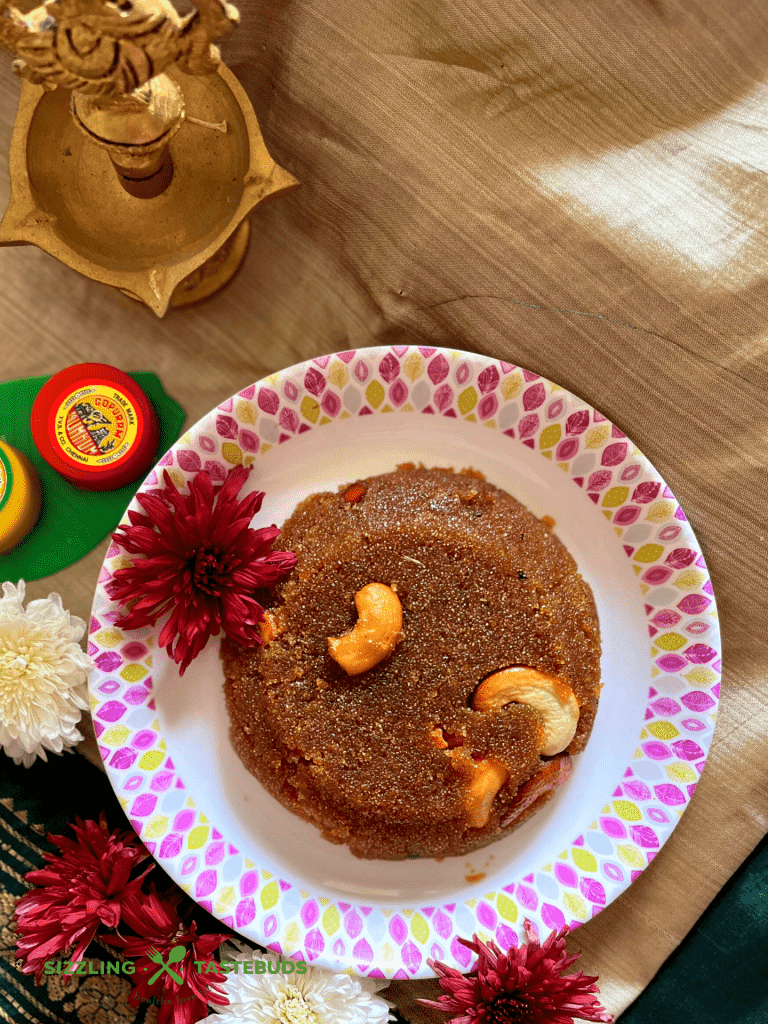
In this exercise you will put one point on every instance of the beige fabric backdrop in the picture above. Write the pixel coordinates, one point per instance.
(576, 186)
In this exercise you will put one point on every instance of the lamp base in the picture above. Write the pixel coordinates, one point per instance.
(216, 272)
(213, 275)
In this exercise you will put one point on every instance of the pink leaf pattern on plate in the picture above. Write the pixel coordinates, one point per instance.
(268, 401)
(314, 381)
(488, 379)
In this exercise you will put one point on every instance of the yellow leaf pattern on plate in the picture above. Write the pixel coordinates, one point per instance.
(413, 366)
(467, 401)
(663, 730)
(550, 436)
(338, 374)
(375, 394)
(310, 409)
(232, 453)
(270, 894)
(245, 411)
(596, 436)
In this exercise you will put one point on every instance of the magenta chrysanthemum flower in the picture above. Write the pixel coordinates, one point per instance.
(202, 563)
(521, 986)
(160, 930)
(77, 893)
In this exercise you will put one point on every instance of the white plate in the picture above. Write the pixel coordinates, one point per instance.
(271, 876)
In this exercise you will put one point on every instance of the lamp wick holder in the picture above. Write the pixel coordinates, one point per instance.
(136, 156)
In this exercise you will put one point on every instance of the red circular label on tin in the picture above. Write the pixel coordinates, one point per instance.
(95, 425)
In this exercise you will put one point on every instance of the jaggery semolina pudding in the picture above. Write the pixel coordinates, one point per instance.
(427, 669)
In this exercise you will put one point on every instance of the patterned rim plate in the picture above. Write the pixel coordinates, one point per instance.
(268, 875)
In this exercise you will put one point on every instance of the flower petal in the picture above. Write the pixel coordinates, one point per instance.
(202, 563)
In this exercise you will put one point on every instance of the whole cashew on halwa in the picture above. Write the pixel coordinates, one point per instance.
(375, 634)
(555, 704)
(553, 701)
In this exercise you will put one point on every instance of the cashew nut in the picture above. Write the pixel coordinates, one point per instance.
(553, 701)
(375, 634)
(486, 779)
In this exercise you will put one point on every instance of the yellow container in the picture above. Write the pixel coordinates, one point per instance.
(20, 496)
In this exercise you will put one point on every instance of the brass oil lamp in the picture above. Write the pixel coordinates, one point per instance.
(136, 156)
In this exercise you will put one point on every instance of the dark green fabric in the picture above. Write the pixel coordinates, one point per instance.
(72, 521)
(54, 794)
(719, 973)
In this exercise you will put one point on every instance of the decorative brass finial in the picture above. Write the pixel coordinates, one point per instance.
(111, 49)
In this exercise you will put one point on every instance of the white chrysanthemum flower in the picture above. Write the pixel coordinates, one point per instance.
(317, 997)
(43, 673)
